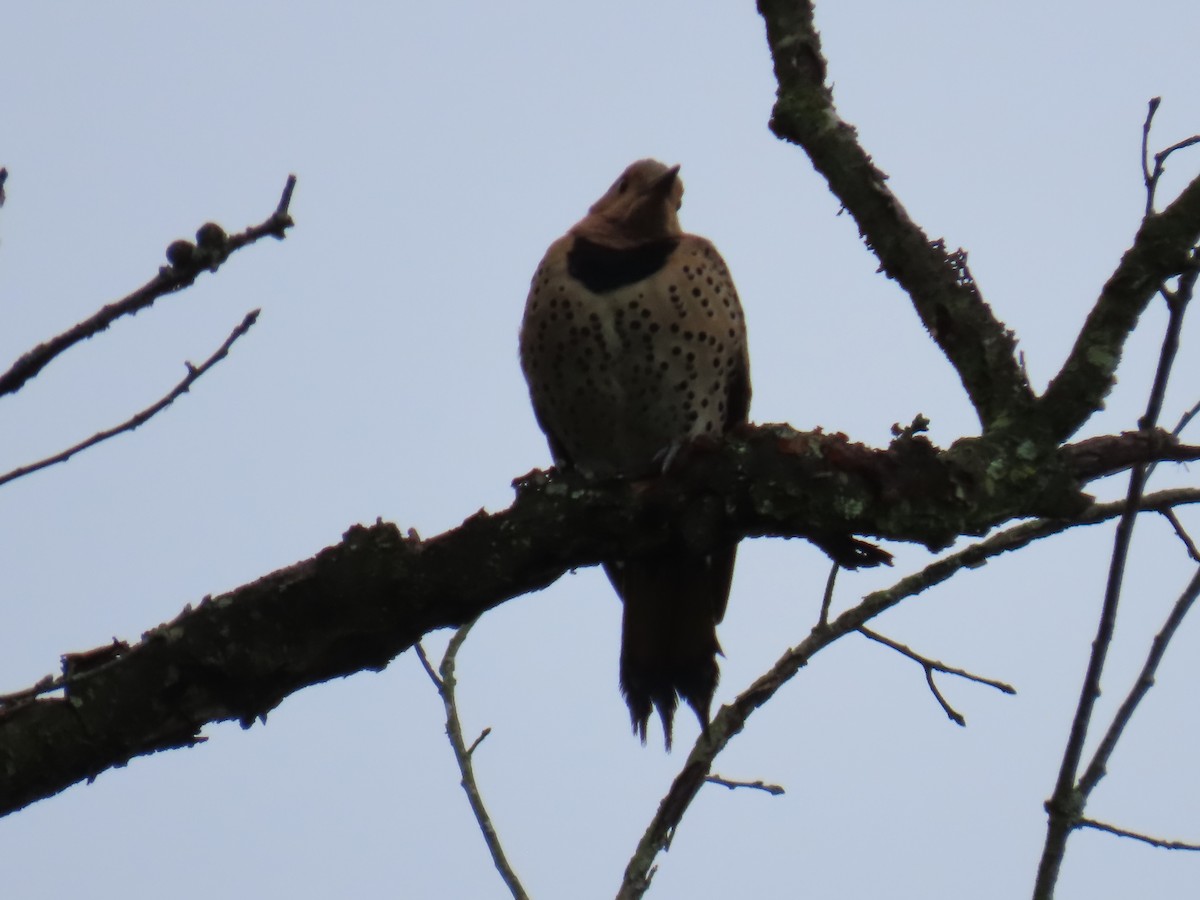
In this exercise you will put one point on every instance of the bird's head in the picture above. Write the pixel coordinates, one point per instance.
(641, 206)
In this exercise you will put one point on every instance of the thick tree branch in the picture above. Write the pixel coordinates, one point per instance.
(357, 605)
(187, 260)
(939, 283)
(1109, 453)
(1163, 248)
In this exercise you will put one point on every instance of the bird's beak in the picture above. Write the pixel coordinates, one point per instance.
(664, 182)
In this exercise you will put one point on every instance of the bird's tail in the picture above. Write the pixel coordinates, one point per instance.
(669, 633)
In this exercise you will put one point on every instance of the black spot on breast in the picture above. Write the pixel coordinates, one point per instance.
(602, 269)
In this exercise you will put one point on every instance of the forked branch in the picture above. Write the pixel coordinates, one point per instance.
(446, 683)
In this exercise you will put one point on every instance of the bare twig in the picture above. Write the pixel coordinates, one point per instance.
(445, 682)
(1181, 533)
(1160, 159)
(188, 260)
(135, 421)
(827, 598)
(1066, 804)
(1145, 680)
(773, 789)
(1151, 177)
(428, 666)
(932, 665)
(1161, 156)
(479, 740)
(1177, 302)
(951, 713)
(1150, 180)
(1144, 838)
(1186, 419)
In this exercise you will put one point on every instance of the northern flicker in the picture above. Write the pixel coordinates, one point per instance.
(633, 343)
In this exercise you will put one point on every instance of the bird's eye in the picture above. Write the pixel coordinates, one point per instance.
(622, 185)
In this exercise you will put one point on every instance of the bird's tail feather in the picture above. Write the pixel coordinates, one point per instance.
(669, 633)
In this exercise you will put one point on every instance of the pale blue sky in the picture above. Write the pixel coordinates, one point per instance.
(439, 149)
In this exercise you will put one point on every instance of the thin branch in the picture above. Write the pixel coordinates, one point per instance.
(773, 789)
(932, 665)
(827, 597)
(1150, 180)
(1145, 680)
(446, 685)
(731, 719)
(935, 665)
(951, 713)
(1161, 155)
(139, 419)
(1137, 836)
(1068, 800)
(1186, 419)
(187, 260)
(1151, 177)
(1177, 302)
(479, 740)
(1182, 534)
(425, 663)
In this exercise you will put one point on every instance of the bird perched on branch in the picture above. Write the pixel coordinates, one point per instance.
(633, 343)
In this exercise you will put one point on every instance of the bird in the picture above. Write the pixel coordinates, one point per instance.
(633, 344)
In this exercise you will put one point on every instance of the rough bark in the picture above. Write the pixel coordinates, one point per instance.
(358, 604)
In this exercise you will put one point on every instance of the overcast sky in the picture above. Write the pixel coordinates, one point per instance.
(439, 149)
